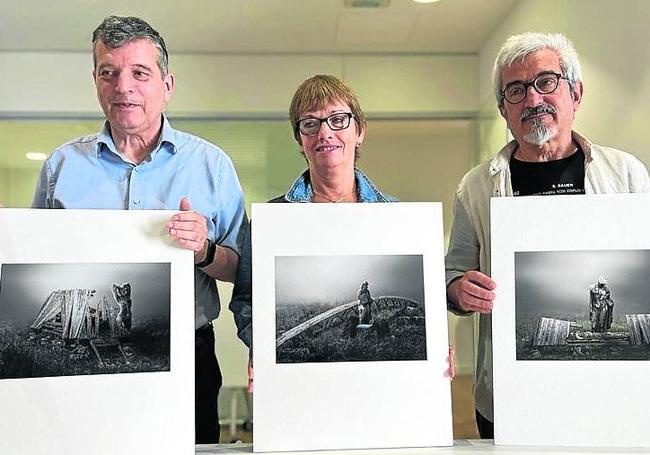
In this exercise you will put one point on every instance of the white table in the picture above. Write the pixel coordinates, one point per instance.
(461, 447)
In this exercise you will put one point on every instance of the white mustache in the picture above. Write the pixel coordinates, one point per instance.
(541, 109)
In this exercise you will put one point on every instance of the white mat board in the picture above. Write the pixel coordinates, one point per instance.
(121, 413)
(349, 404)
(569, 401)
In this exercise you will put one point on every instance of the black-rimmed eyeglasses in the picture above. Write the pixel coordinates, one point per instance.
(311, 125)
(544, 83)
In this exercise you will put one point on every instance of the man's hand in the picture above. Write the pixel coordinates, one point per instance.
(472, 292)
(190, 230)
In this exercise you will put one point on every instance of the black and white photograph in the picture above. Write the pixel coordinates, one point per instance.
(583, 305)
(349, 308)
(83, 319)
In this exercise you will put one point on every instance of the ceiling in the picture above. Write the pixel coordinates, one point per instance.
(278, 26)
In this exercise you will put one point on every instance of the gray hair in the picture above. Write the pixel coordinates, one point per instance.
(116, 31)
(517, 47)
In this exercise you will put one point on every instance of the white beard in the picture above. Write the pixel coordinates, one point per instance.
(540, 133)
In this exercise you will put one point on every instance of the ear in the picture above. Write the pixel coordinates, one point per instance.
(576, 95)
(502, 110)
(361, 135)
(170, 85)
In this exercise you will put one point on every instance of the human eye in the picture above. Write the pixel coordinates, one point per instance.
(140, 74)
(515, 90)
(338, 120)
(309, 124)
(106, 73)
(546, 82)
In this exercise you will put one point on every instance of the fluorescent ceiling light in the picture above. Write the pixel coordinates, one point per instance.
(36, 156)
(425, 1)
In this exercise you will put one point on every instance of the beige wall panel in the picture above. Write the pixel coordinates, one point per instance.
(420, 85)
(39, 82)
(61, 83)
(245, 84)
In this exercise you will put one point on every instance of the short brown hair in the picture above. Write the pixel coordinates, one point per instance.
(116, 31)
(316, 93)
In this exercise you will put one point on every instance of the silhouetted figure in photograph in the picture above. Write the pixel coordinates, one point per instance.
(601, 306)
(365, 300)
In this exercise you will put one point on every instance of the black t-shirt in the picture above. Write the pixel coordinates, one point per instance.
(563, 176)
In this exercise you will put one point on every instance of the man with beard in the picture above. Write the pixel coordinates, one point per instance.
(538, 87)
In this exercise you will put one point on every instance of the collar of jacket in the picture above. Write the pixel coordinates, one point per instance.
(502, 159)
(301, 190)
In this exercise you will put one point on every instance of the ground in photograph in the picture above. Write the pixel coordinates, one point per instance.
(397, 332)
(28, 353)
(581, 343)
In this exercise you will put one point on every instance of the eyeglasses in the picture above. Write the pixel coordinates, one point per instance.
(544, 83)
(311, 125)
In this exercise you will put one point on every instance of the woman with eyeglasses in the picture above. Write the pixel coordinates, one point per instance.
(329, 126)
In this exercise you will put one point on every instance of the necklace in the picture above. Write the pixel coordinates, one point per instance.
(328, 199)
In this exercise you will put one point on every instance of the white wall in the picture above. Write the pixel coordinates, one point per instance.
(613, 42)
(61, 83)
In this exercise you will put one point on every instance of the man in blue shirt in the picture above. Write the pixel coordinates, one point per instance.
(138, 161)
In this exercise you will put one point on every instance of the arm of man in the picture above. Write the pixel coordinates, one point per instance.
(241, 303)
(468, 289)
(190, 230)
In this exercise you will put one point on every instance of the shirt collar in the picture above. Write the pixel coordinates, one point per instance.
(301, 190)
(167, 136)
(502, 159)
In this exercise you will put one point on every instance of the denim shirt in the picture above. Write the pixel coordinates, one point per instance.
(90, 173)
(300, 191)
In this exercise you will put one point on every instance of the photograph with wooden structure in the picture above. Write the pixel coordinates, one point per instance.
(583, 305)
(570, 320)
(349, 308)
(80, 319)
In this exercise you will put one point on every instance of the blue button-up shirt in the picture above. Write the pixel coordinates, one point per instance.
(90, 173)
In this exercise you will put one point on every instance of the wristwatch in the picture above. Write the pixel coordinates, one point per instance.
(209, 256)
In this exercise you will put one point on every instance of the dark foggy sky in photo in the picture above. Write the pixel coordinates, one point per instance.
(25, 287)
(332, 279)
(559, 281)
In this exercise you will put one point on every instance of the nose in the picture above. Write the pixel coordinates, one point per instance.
(124, 82)
(533, 98)
(325, 131)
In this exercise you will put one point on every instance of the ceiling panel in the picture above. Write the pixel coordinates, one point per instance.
(261, 25)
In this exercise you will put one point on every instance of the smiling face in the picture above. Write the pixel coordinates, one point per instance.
(330, 149)
(540, 118)
(130, 87)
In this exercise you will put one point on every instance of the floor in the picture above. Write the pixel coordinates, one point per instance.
(463, 414)
(462, 397)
